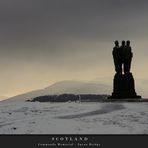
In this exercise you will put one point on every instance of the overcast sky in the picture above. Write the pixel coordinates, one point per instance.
(45, 41)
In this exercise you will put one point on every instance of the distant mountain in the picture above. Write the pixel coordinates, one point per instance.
(77, 87)
(69, 87)
(3, 98)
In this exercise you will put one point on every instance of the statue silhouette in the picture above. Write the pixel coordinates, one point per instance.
(123, 84)
(127, 57)
(122, 56)
(117, 58)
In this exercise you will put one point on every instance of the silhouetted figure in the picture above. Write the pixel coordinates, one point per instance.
(122, 51)
(127, 57)
(122, 56)
(117, 58)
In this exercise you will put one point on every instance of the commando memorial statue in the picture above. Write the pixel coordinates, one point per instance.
(123, 83)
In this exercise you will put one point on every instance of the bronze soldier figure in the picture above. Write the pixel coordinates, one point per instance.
(127, 57)
(122, 56)
(117, 58)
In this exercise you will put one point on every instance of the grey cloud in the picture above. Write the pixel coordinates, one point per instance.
(68, 34)
(45, 24)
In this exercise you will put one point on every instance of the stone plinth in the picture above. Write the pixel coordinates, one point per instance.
(123, 87)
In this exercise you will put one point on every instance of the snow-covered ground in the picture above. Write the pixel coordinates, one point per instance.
(73, 118)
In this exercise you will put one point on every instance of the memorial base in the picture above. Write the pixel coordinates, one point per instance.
(124, 87)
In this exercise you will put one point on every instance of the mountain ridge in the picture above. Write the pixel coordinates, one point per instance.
(66, 86)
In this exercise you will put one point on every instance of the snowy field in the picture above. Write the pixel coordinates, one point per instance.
(73, 118)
